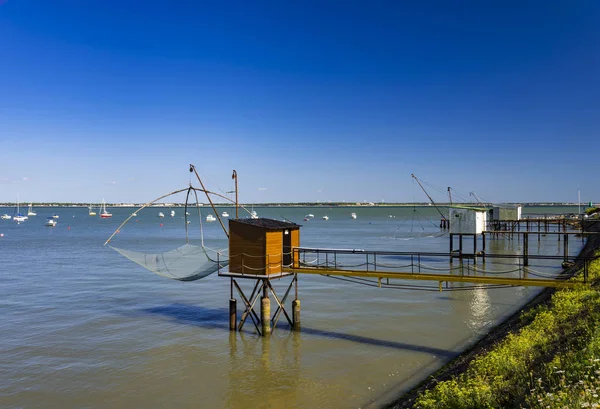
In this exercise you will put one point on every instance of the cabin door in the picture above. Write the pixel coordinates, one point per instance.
(287, 248)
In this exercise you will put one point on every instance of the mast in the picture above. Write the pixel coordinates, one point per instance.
(427, 194)
(450, 195)
(193, 169)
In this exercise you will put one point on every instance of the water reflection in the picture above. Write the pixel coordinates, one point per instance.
(271, 381)
(480, 306)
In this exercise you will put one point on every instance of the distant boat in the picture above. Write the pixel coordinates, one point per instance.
(172, 213)
(134, 214)
(225, 214)
(161, 214)
(91, 211)
(353, 215)
(310, 216)
(103, 213)
(30, 211)
(325, 217)
(6, 217)
(51, 222)
(253, 214)
(210, 218)
(55, 216)
(19, 217)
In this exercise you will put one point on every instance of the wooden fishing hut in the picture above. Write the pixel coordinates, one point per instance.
(259, 249)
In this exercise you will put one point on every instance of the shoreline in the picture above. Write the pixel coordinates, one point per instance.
(511, 324)
(300, 204)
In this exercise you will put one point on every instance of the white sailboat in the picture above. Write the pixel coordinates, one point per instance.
(172, 213)
(103, 213)
(210, 218)
(91, 211)
(6, 217)
(19, 217)
(30, 211)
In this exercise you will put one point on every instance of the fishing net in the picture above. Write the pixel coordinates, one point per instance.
(185, 263)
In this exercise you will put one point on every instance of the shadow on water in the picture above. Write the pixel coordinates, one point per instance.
(217, 318)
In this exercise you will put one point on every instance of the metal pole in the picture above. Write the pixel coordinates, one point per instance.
(237, 204)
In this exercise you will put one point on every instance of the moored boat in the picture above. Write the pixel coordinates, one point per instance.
(103, 213)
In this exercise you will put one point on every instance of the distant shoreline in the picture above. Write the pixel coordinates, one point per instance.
(302, 204)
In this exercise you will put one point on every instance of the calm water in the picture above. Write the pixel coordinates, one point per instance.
(84, 327)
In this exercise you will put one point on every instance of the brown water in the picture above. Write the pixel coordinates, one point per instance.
(83, 327)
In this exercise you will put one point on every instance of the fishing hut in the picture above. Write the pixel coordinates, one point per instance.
(259, 249)
(465, 222)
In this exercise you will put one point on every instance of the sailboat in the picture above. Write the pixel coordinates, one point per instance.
(103, 213)
(19, 217)
(91, 211)
(30, 211)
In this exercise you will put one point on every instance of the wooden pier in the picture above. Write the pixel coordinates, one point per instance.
(264, 250)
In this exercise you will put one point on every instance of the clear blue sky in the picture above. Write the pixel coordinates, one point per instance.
(307, 100)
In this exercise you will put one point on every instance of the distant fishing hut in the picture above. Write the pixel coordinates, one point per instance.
(506, 212)
(466, 221)
(259, 249)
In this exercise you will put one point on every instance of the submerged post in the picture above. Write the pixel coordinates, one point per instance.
(525, 249)
(232, 314)
(296, 307)
(265, 311)
(232, 308)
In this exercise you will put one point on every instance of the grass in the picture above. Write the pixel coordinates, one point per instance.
(552, 362)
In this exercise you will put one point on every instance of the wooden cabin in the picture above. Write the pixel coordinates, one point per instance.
(261, 246)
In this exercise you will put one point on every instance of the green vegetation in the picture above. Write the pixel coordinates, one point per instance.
(592, 210)
(552, 362)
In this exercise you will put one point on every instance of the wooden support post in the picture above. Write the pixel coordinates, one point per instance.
(483, 245)
(526, 249)
(474, 248)
(296, 314)
(265, 311)
(232, 314)
(460, 247)
(451, 246)
(566, 247)
(296, 306)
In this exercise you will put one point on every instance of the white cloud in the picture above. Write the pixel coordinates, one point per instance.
(262, 189)
(25, 178)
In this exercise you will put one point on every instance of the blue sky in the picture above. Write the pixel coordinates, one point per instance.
(307, 100)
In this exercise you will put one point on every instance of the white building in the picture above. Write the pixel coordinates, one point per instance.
(467, 220)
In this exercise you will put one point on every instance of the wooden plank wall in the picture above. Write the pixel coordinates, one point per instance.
(274, 251)
(247, 247)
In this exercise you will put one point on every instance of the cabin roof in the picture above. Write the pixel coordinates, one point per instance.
(267, 224)
(477, 209)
